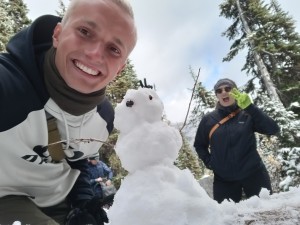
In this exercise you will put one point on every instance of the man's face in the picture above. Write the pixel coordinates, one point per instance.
(223, 95)
(93, 45)
(93, 161)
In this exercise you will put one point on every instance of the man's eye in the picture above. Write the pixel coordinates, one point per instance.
(115, 50)
(84, 31)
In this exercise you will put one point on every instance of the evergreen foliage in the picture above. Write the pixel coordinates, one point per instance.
(290, 159)
(204, 102)
(275, 40)
(281, 152)
(188, 159)
(287, 120)
(17, 11)
(13, 14)
(6, 25)
(126, 80)
(62, 8)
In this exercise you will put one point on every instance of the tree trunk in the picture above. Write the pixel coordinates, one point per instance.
(259, 62)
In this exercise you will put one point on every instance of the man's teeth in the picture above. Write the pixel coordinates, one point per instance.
(86, 69)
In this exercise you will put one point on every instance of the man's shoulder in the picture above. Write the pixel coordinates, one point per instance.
(211, 114)
(107, 112)
(18, 97)
(100, 164)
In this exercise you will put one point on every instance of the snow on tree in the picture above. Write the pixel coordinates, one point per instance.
(6, 25)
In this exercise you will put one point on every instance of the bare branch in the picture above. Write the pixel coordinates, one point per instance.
(83, 140)
(192, 96)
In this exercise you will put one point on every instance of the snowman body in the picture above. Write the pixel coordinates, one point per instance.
(154, 191)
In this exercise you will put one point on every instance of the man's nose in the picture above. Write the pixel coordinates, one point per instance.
(95, 51)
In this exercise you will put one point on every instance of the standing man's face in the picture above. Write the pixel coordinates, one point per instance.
(93, 44)
(224, 97)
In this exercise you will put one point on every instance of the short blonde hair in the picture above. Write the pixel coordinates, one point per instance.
(123, 4)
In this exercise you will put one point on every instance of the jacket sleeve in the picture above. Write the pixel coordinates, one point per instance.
(82, 190)
(108, 171)
(107, 112)
(262, 123)
(201, 144)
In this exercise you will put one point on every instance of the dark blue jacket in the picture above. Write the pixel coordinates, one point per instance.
(232, 153)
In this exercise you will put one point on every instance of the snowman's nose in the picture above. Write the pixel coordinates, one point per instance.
(129, 103)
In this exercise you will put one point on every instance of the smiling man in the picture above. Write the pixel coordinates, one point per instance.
(225, 141)
(59, 69)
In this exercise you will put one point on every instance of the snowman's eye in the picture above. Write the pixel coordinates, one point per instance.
(150, 97)
(129, 103)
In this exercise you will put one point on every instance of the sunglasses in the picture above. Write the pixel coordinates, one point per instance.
(220, 90)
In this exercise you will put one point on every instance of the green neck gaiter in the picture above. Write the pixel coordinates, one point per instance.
(68, 99)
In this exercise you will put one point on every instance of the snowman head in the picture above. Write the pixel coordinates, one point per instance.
(138, 106)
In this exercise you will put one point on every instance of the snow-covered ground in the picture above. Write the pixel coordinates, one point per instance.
(278, 209)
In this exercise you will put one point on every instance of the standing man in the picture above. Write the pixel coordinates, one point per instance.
(229, 133)
(58, 68)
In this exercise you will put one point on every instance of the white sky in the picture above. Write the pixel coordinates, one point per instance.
(174, 35)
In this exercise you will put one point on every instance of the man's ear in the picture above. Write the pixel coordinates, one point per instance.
(56, 33)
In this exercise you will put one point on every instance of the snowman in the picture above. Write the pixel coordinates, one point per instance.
(155, 191)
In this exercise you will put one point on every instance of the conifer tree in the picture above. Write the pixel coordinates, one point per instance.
(188, 159)
(62, 9)
(6, 25)
(273, 45)
(281, 153)
(17, 10)
(281, 54)
(204, 101)
(127, 80)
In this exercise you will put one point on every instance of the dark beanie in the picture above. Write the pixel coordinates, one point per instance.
(225, 81)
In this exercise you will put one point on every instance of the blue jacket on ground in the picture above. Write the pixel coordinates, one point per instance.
(100, 170)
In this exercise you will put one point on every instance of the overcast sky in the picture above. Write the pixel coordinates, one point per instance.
(174, 35)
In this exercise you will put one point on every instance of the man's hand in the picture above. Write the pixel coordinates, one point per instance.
(99, 179)
(243, 100)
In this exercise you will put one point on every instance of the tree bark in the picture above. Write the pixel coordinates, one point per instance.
(259, 62)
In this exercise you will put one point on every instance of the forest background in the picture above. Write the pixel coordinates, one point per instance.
(268, 36)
